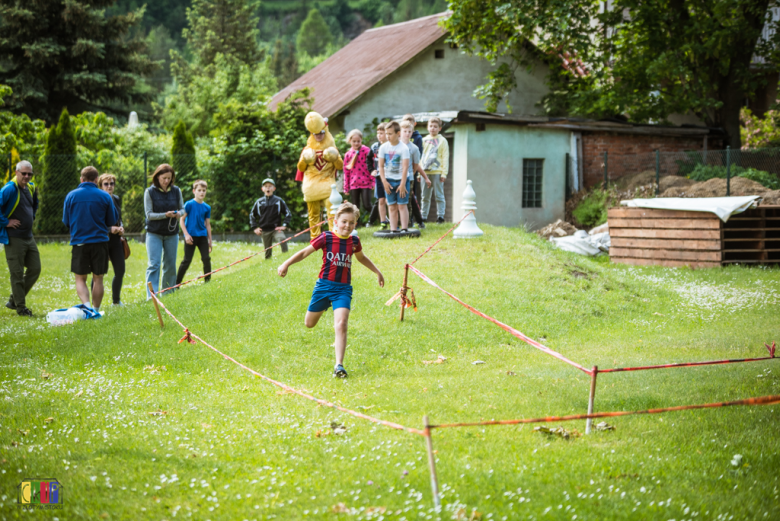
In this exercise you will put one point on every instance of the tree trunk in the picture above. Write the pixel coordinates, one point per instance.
(732, 95)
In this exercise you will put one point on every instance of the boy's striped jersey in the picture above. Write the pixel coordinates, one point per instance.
(337, 256)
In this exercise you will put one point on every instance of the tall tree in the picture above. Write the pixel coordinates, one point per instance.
(314, 35)
(183, 155)
(60, 174)
(68, 53)
(646, 59)
(227, 27)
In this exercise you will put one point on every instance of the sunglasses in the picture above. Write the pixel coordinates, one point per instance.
(28, 174)
(109, 183)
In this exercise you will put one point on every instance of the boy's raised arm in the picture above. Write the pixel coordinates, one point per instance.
(298, 257)
(365, 261)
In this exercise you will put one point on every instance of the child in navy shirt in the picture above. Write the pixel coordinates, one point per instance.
(196, 225)
(333, 287)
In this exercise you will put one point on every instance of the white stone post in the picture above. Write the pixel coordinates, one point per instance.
(468, 228)
(132, 120)
(335, 199)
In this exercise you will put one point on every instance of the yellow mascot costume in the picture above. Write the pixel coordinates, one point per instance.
(317, 168)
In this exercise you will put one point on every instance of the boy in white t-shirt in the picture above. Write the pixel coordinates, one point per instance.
(393, 170)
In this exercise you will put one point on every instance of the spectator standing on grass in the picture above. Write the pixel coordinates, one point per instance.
(436, 162)
(358, 163)
(379, 211)
(116, 252)
(196, 225)
(270, 217)
(334, 285)
(414, 190)
(414, 162)
(89, 214)
(18, 204)
(393, 169)
(163, 205)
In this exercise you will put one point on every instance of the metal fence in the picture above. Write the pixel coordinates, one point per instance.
(670, 174)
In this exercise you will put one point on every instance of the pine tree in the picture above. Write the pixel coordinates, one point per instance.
(284, 63)
(314, 35)
(68, 53)
(228, 27)
(183, 155)
(60, 175)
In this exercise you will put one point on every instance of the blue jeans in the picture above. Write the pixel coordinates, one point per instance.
(437, 186)
(161, 249)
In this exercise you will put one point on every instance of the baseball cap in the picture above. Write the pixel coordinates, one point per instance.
(269, 180)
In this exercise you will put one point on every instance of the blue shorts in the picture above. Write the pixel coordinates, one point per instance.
(392, 195)
(327, 293)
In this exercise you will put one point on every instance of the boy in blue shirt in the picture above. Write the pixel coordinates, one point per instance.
(196, 225)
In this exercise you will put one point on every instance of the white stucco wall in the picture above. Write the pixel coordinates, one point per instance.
(428, 84)
(493, 160)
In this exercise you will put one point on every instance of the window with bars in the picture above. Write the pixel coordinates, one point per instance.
(532, 183)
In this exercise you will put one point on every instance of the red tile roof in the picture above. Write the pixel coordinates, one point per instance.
(364, 62)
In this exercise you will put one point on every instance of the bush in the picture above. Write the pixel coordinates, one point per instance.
(592, 211)
(60, 175)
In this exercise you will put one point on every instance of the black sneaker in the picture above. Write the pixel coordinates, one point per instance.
(339, 372)
(10, 304)
(439, 220)
(422, 226)
(24, 312)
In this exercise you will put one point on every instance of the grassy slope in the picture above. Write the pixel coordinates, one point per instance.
(241, 447)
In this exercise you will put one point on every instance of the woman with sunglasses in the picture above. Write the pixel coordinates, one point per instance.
(116, 252)
(163, 204)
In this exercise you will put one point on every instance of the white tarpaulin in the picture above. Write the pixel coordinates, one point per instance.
(723, 207)
(583, 243)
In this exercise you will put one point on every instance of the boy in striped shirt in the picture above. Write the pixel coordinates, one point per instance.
(333, 287)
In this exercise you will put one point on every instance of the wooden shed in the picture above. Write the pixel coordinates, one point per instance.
(697, 239)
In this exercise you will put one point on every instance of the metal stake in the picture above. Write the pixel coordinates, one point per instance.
(403, 291)
(431, 463)
(606, 171)
(156, 306)
(728, 171)
(592, 397)
(657, 172)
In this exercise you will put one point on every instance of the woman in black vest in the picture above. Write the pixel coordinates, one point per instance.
(116, 252)
(163, 203)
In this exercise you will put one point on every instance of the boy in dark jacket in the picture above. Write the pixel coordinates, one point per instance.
(270, 217)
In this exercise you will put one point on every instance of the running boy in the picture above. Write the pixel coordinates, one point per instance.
(270, 217)
(333, 287)
(393, 169)
(196, 225)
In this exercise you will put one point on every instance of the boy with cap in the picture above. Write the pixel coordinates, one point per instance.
(269, 217)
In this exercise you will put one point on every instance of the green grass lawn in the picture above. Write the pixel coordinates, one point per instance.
(144, 427)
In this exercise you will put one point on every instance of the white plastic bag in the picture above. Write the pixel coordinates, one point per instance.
(60, 317)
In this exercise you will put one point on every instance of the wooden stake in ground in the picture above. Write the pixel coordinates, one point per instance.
(431, 463)
(403, 291)
(156, 306)
(591, 398)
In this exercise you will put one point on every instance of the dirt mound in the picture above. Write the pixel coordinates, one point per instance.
(673, 181)
(557, 229)
(717, 188)
(634, 181)
(771, 197)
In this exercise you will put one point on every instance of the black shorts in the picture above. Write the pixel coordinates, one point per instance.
(90, 258)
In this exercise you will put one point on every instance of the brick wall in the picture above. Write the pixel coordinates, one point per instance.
(630, 153)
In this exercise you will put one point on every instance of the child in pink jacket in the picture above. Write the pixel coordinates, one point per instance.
(358, 162)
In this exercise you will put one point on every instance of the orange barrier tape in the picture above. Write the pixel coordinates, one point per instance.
(240, 260)
(286, 387)
(503, 326)
(442, 237)
(761, 400)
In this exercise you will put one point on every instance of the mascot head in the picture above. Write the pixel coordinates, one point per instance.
(320, 137)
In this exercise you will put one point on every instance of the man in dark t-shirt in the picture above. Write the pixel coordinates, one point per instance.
(18, 204)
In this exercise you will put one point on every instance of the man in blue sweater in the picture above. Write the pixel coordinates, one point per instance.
(89, 213)
(18, 204)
